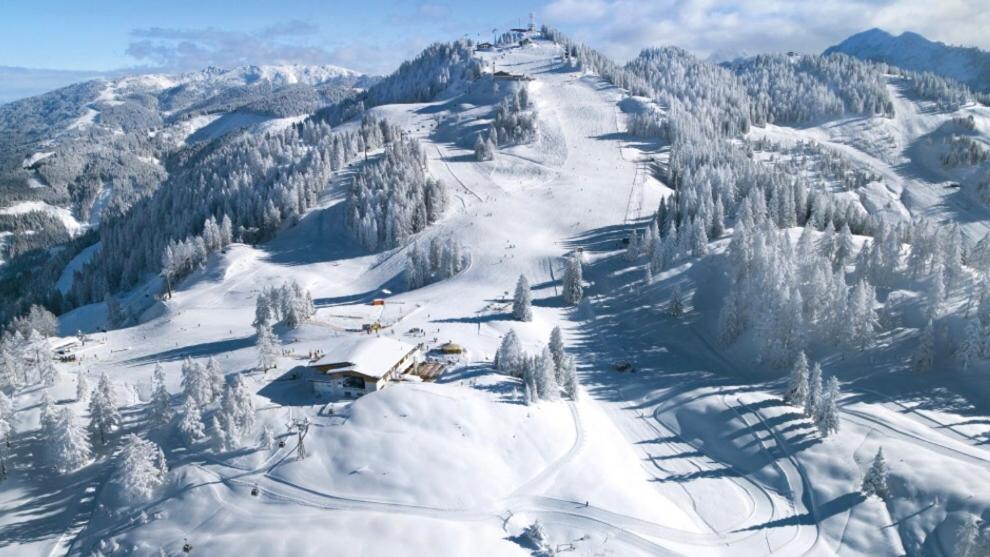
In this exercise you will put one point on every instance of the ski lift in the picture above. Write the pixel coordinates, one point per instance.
(281, 443)
(254, 491)
(186, 546)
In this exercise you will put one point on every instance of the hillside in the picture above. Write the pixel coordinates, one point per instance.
(914, 52)
(729, 223)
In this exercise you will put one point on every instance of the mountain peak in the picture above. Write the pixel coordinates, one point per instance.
(913, 51)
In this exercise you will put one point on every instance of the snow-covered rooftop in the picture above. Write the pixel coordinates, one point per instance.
(371, 356)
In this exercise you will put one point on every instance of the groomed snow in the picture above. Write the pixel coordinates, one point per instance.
(692, 454)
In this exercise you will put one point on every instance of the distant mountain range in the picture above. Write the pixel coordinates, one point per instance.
(912, 51)
(74, 151)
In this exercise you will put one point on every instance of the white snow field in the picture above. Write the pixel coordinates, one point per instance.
(693, 454)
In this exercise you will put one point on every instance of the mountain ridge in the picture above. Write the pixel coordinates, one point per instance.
(912, 51)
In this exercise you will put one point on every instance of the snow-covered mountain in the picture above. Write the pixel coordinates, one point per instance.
(912, 51)
(70, 154)
(665, 308)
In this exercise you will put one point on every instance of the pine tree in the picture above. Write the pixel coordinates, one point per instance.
(82, 386)
(546, 377)
(141, 468)
(266, 440)
(44, 369)
(508, 359)
(797, 389)
(699, 238)
(556, 346)
(161, 400)
(573, 287)
(215, 378)
(220, 434)
(633, 246)
(827, 417)
(104, 415)
(522, 303)
(937, 294)
(971, 344)
(7, 418)
(875, 480)
(191, 426)
(862, 316)
(814, 392)
(676, 306)
(237, 409)
(267, 355)
(568, 369)
(530, 379)
(196, 384)
(731, 321)
(924, 355)
(68, 443)
(845, 247)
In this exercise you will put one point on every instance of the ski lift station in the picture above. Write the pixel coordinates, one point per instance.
(357, 365)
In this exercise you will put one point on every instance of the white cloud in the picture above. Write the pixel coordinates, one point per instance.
(622, 27)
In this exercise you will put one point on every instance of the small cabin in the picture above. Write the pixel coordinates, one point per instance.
(502, 75)
(451, 347)
(378, 302)
(354, 366)
(485, 46)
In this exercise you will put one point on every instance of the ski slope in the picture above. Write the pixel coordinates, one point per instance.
(694, 454)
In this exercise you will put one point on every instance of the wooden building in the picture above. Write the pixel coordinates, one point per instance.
(357, 365)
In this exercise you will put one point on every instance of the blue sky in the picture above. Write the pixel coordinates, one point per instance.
(369, 35)
(374, 36)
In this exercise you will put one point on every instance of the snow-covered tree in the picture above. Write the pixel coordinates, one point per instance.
(815, 387)
(141, 468)
(827, 417)
(104, 415)
(875, 480)
(797, 385)
(971, 344)
(191, 425)
(547, 387)
(676, 305)
(196, 383)
(522, 303)
(573, 287)
(568, 371)
(731, 321)
(266, 440)
(237, 409)
(82, 386)
(68, 443)
(484, 148)
(220, 434)
(394, 197)
(7, 418)
(531, 379)
(444, 258)
(215, 378)
(267, 351)
(556, 346)
(509, 357)
(161, 400)
(924, 354)
(862, 315)
(44, 368)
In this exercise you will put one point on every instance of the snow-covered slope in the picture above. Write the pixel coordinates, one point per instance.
(692, 453)
(912, 51)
